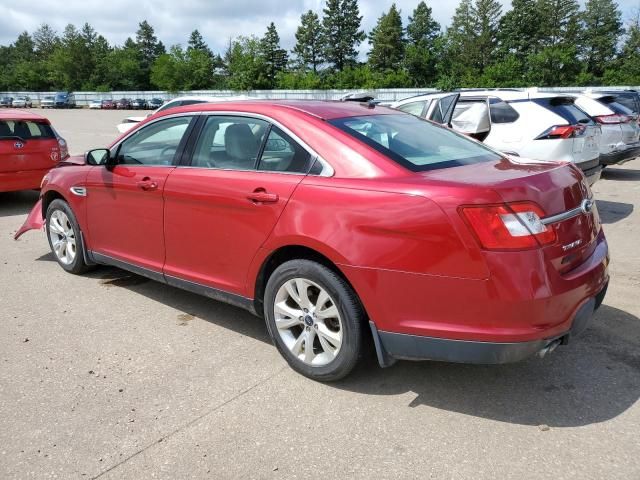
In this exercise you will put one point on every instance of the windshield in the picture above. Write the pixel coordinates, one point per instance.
(416, 144)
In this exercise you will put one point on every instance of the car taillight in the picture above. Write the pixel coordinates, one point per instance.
(612, 119)
(64, 150)
(562, 131)
(514, 226)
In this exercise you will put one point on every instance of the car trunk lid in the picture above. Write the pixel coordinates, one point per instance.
(559, 189)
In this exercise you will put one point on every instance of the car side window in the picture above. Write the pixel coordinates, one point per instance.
(414, 108)
(502, 112)
(282, 154)
(228, 142)
(154, 144)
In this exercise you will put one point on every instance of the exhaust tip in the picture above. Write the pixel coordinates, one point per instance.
(549, 348)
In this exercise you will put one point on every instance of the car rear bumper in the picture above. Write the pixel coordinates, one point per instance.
(619, 157)
(24, 180)
(592, 170)
(509, 315)
(392, 346)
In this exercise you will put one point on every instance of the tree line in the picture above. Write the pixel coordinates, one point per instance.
(536, 42)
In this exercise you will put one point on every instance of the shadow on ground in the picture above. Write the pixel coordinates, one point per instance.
(593, 379)
(618, 174)
(612, 212)
(17, 203)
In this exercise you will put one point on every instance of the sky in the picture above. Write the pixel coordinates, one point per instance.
(217, 20)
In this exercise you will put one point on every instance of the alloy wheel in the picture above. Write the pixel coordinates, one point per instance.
(63, 237)
(308, 321)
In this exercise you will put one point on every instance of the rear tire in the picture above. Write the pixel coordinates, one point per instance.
(65, 239)
(314, 319)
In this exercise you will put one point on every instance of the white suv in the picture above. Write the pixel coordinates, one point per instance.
(541, 126)
(620, 129)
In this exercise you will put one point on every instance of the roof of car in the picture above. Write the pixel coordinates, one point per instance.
(324, 109)
(12, 114)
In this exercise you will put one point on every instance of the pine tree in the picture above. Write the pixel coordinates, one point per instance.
(486, 15)
(387, 42)
(460, 57)
(46, 40)
(196, 42)
(308, 48)
(341, 33)
(420, 56)
(602, 31)
(150, 49)
(274, 57)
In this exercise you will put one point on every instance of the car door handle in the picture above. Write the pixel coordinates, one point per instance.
(261, 196)
(147, 184)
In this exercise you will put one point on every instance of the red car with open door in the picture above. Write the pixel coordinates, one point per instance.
(29, 148)
(340, 222)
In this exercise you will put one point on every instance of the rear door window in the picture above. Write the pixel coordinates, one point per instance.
(414, 108)
(502, 112)
(282, 154)
(565, 108)
(26, 130)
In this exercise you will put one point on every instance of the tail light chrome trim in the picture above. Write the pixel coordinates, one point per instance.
(585, 207)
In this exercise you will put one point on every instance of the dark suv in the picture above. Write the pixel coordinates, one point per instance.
(64, 100)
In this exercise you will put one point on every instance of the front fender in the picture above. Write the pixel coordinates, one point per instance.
(34, 221)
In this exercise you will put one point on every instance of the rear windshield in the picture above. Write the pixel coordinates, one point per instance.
(25, 130)
(629, 100)
(416, 144)
(565, 108)
(616, 106)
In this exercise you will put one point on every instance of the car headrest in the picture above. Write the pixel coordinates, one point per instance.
(239, 142)
(21, 130)
(5, 131)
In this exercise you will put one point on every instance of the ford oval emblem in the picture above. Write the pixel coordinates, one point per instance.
(586, 206)
(18, 145)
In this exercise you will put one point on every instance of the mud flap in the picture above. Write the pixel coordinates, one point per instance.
(33, 222)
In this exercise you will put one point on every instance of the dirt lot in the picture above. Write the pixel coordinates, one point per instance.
(110, 375)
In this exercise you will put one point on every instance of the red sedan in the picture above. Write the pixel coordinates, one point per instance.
(340, 223)
(29, 148)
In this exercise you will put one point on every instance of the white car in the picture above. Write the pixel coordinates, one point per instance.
(129, 122)
(620, 129)
(540, 126)
(49, 101)
(95, 104)
(22, 102)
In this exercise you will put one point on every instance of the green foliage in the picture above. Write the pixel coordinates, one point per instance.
(387, 42)
(423, 33)
(341, 33)
(274, 58)
(309, 42)
(536, 42)
(602, 31)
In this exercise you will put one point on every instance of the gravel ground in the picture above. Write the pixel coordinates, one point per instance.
(110, 375)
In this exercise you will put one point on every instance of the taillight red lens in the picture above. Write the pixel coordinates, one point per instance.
(612, 119)
(562, 131)
(515, 226)
(64, 150)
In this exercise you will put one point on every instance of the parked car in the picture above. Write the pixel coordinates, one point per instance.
(64, 100)
(29, 148)
(628, 98)
(139, 104)
(108, 104)
(129, 122)
(620, 130)
(48, 101)
(123, 104)
(154, 103)
(341, 221)
(22, 102)
(6, 102)
(542, 126)
(95, 104)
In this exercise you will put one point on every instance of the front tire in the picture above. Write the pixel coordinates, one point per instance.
(314, 319)
(65, 240)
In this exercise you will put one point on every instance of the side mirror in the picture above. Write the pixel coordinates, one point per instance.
(98, 156)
